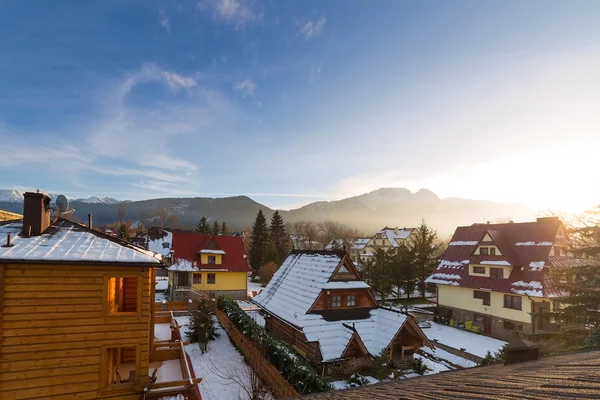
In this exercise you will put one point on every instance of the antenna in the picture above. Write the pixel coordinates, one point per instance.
(62, 205)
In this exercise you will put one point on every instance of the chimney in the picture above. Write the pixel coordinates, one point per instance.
(90, 221)
(521, 351)
(36, 213)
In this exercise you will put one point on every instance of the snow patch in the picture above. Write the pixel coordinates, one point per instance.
(528, 285)
(463, 243)
(536, 265)
(533, 244)
(501, 262)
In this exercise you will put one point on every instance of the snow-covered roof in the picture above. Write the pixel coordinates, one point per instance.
(395, 234)
(183, 265)
(209, 251)
(335, 244)
(162, 245)
(69, 242)
(360, 243)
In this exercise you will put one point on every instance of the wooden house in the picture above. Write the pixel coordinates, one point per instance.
(208, 265)
(77, 313)
(318, 303)
(497, 276)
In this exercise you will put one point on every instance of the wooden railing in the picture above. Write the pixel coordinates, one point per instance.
(256, 359)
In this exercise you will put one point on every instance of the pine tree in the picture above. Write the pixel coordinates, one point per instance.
(216, 228)
(224, 230)
(423, 242)
(201, 328)
(403, 269)
(122, 231)
(260, 238)
(278, 239)
(377, 272)
(203, 226)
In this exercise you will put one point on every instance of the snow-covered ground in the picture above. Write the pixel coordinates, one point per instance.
(162, 331)
(222, 368)
(459, 339)
(434, 367)
(337, 385)
(254, 286)
(162, 285)
(456, 360)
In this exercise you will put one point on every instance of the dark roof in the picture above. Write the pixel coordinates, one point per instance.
(348, 314)
(565, 376)
(514, 242)
(338, 252)
(187, 245)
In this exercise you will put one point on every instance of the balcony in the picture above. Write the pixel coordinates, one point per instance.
(171, 371)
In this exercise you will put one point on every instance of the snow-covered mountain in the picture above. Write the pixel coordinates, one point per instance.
(11, 196)
(99, 200)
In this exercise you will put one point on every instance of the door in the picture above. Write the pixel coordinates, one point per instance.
(487, 325)
(184, 279)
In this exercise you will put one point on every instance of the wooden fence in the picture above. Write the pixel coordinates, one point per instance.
(172, 306)
(256, 359)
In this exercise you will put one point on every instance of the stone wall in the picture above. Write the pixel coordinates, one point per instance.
(185, 294)
(497, 324)
(343, 369)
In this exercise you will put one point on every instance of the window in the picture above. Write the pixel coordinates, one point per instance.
(485, 296)
(212, 259)
(513, 302)
(336, 301)
(197, 279)
(511, 326)
(350, 301)
(479, 270)
(496, 273)
(492, 251)
(484, 251)
(122, 295)
(211, 279)
(120, 366)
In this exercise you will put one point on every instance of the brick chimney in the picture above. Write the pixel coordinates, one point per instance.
(36, 213)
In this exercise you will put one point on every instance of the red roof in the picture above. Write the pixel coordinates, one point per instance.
(187, 245)
(525, 246)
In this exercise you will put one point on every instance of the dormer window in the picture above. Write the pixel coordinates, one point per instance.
(484, 251)
(350, 301)
(212, 259)
(487, 251)
(496, 273)
(336, 301)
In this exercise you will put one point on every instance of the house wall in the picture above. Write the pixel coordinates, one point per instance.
(462, 298)
(295, 338)
(223, 281)
(55, 328)
(204, 258)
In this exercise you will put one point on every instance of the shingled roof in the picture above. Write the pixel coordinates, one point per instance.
(565, 376)
(524, 246)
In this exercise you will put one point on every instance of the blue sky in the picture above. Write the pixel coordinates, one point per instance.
(296, 101)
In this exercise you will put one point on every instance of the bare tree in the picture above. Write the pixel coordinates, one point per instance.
(245, 377)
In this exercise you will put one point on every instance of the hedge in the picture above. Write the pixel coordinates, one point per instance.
(291, 365)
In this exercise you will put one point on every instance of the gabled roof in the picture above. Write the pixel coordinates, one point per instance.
(69, 242)
(189, 245)
(296, 286)
(360, 243)
(395, 234)
(524, 246)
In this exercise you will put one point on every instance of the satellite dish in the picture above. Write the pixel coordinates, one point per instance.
(62, 204)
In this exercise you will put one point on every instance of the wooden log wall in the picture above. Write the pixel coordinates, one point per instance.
(55, 330)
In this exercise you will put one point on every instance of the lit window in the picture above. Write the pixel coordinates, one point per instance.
(211, 279)
(479, 270)
(212, 259)
(197, 279)
(350, 301)
(336, 301)
(513, 302)
(122, 295)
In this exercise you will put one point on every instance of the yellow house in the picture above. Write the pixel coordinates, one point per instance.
(77, 314)
(495, 277)
(385, 239)
(208, 264)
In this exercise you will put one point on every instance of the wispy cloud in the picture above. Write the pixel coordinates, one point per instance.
(315, 71)
(247, 87)
(176, 81)
(312, 28)
(164, 20)
(235, 12)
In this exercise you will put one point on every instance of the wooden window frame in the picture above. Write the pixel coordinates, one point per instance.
(199, 275)
(104, 378)
(214, 279)
(494, 271)
(492, 251)
(486, 297)
(484, 253)
(106, 303)
(475, 268)
(353, 297)
(511, 302)
(335, 304)
(213, 258)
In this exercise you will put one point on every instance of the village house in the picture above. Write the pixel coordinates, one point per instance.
(357, 248)
(494, 278)
(77, 314)
(387, 238)
(318, 303)
(208, 265)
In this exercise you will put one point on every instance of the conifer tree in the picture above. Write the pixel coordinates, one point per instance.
(216, 228)
(201, 328)
(278, 239)
(403, 269)
(260, 238)
(423, 242)
(377, 272)
(203, 226)
(224, 230)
